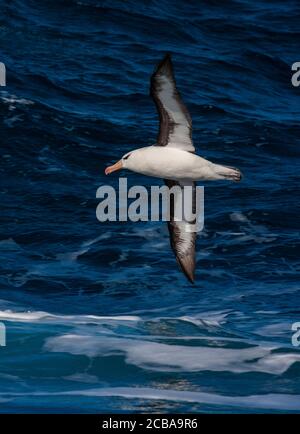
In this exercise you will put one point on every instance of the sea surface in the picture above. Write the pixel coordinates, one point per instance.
(98, 316)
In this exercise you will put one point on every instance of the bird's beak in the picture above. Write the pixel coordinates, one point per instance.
(114, 167)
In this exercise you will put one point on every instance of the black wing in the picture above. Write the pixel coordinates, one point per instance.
(182, 233)
(175, 124)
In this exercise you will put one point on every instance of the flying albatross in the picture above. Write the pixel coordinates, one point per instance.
(173, 158)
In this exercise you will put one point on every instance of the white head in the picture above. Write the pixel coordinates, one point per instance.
(128, 161)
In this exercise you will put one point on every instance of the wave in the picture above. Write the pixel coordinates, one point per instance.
(106, 302)
(270, 401)
(9, 315)
(176, 358)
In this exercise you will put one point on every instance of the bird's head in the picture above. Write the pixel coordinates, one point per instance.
(126, 162)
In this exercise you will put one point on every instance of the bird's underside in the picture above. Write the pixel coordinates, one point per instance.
(175, 131)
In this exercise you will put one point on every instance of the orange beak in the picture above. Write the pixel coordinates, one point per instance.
(114, 167)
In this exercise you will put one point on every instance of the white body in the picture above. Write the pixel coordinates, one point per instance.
(176, 164)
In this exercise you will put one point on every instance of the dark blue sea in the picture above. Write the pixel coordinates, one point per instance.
(98, 316)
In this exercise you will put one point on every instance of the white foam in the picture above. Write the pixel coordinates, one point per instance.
(210, 318)
(239, 217)
(164, 357)
(252, 232)
(275, 330)
(9, 315)
(71, 256)
(101, 237)
(13, 100)
(207, 318)
(82, 377)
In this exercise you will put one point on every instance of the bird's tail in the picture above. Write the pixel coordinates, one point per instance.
(230, 173)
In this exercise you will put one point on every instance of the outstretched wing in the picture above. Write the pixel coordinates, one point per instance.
(182, 234)
(175, 123)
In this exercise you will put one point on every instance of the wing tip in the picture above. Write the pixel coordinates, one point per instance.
(165, 64)
(167, 56)
(187, 266)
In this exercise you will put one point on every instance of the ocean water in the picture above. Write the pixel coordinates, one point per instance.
(98, 317)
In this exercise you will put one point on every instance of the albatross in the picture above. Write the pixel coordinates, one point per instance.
(173, 158)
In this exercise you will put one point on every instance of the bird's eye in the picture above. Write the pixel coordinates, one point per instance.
(126, 156)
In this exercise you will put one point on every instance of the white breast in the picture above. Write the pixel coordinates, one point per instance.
(169, 163)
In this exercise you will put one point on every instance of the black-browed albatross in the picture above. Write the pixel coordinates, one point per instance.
(173, 158)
